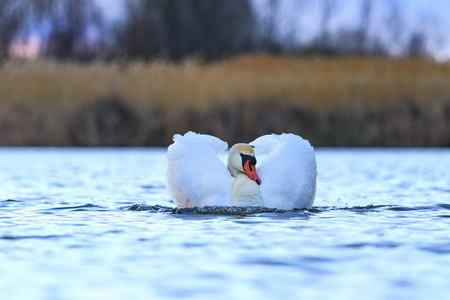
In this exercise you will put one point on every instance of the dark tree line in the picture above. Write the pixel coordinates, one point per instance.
(209, 29)
(62, 25)
(11, 16)
(176, 29)
(69, 22)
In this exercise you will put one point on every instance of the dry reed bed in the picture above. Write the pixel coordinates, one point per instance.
(333, 102)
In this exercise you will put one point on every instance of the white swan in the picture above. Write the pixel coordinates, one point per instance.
(285, 177)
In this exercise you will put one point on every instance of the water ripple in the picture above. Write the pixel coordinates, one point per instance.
(444, 205)
(236, 210)
(7, 237)
(77, 208)
(206, 210)
(438, 249)
(385, 244)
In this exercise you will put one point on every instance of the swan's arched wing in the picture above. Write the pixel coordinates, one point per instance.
(287, 168)
(195, 174)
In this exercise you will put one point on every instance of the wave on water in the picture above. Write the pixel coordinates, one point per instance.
(237, 210)
(84, 207)
(206, 210)
(26, 237)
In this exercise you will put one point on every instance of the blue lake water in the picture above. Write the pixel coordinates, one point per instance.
(379, 229)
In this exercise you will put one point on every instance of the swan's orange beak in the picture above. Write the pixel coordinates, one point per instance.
(251, 172)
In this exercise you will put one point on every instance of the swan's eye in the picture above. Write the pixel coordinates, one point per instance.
(250, 158)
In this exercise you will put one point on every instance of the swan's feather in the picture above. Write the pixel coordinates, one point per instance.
(196, 175)
(288, 171)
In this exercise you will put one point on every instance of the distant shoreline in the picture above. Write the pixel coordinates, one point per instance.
(329, 101)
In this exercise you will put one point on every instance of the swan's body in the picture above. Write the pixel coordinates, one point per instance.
(287, 170)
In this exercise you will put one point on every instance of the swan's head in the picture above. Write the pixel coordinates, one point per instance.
(241, 159)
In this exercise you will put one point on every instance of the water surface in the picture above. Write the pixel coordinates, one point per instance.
(99, 224)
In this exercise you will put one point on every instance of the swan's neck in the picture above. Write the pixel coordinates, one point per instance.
(246, 192)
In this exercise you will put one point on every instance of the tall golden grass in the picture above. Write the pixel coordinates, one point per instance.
(331, 101)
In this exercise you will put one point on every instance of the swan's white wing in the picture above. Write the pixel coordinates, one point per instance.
(195, 174)
(287, 168)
